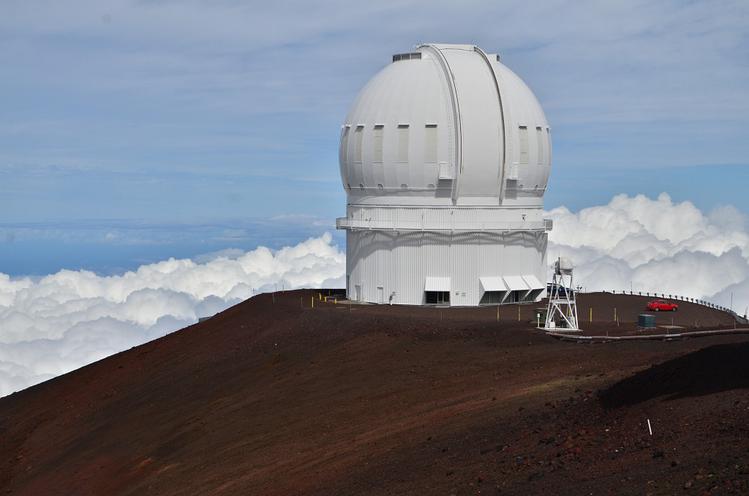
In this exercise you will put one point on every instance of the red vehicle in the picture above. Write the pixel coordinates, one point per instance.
(662, 306)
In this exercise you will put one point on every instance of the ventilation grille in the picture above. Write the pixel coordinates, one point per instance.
(406, 56)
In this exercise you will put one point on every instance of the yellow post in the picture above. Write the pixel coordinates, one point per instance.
(591, 314)
(614, 314)
(335, 301)
(312, 298)
(319, 296)
(518, 313)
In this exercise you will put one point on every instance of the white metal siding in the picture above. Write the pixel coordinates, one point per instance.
(401, 262)
(377, 141)
(403, 143)
(430, 144)
(523, 132)
(343, 151)
(358, 136)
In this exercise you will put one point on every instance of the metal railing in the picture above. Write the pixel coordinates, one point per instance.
(437, 225)
(704, 303)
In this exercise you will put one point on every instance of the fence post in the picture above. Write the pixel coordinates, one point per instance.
(591, 313)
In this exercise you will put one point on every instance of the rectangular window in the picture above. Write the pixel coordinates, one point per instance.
(523, 144)
(430, 144)
(402, 142)
(548, 145)
(358, 134)
(378, 131)
(540, 138)
(343, 155)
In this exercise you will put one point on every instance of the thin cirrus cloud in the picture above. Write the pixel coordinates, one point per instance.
(54, 324)
(229, 79)
(236, 106)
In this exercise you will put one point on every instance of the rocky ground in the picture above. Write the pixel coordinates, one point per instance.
(275, 397)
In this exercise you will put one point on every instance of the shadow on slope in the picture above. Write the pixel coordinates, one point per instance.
(709, 370)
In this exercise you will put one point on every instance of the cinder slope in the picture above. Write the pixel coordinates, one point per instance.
(279, 398)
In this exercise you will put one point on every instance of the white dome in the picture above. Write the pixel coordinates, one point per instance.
(445, 125)
(444, 156)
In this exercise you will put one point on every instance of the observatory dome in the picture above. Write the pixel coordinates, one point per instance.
(445, 156)
(445, 124)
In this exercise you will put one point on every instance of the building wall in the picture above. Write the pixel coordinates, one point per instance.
(400, 262)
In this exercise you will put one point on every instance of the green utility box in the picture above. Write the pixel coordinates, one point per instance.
(646, 321)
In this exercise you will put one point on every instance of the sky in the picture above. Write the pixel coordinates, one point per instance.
(161, 160)
(122, 121)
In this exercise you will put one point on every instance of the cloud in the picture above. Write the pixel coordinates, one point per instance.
(656, 245)
(735, 295)
(596, 64)
(227, 102)
(54, 324)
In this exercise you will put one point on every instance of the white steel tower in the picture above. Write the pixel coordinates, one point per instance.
(561, 314)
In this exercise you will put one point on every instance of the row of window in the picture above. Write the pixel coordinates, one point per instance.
(430, 143)
(403, 135)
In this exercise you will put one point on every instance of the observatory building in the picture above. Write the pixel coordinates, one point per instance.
(444, 156)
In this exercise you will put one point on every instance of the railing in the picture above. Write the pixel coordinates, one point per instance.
(645, 337)
(704, 303)
(420, 225)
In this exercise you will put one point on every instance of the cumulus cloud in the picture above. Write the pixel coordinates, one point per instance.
(54, 324)
(656, 245)
(60, 322)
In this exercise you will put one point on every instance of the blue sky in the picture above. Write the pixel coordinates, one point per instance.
(131, 131)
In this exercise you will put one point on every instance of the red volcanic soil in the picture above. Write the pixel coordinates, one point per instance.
(277, 398)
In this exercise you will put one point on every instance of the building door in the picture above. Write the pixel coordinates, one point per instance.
(437, 297)
(358, 292)
(380, 295)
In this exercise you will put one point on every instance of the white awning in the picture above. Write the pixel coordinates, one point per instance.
(437, 284)
(533, 282)
(516, 283)
(492, 284)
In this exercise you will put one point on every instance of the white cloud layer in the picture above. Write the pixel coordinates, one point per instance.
(656, 246)
(63, 321)
(55, 324)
